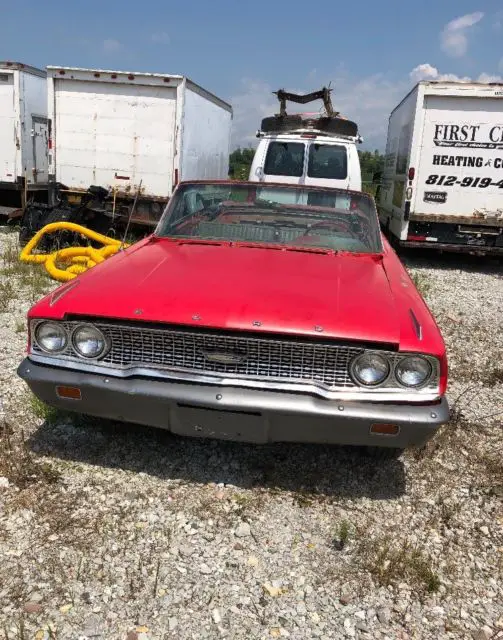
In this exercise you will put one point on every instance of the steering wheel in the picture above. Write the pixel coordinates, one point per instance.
(339, 223)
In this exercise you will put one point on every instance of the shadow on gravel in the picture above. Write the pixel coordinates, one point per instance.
(321, 470)
(430, 259)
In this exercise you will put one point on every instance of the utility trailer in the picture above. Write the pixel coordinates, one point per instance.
(121, 141)
(442, 184)
(23, 135)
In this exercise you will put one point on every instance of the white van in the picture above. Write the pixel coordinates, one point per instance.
(302, 149)
(307, 158)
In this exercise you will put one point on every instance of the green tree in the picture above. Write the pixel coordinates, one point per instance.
(240, 162)
(370, 163)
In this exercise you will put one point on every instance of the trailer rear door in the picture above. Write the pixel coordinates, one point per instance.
(114, 134)
(461, 166)
(8, 134)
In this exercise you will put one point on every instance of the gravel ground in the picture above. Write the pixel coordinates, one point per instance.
(110, 531)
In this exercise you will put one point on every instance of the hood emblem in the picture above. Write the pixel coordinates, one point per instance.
(224, 357)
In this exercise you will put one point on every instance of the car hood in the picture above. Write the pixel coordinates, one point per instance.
(236, 287)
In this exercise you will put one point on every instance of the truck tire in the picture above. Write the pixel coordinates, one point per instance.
(281, 124)
(38, 216)
(332, 125)
(337, 126)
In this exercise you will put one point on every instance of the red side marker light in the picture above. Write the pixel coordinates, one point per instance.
(412, 173)
(385, 429)
(69, 393)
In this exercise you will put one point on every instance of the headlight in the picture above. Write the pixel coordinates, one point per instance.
(88, 341)
(51, 337)
(370, 369)
(413, 371)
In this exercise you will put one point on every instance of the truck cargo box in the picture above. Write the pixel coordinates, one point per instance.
(443, 176)
(23, 132)
(116, 129)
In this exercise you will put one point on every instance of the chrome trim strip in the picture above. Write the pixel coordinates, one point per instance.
(379, 394)
(416, 324)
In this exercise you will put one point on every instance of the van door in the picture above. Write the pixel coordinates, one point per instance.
(284, 162)
(327, 165)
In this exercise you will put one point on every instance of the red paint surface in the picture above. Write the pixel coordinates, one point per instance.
(233, 286)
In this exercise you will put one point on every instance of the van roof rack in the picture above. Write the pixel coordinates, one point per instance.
(323, 94)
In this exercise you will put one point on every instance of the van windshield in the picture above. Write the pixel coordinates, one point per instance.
(304, 217)
(327, 161)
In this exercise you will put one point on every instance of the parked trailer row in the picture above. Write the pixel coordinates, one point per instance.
(112, 139)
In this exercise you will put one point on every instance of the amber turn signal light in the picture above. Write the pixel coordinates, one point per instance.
(385, 429)
(72, 393)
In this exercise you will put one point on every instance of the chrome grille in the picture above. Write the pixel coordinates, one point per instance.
(275, 360)
(266, 362)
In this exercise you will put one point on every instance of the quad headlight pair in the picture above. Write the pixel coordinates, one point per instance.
(87, 340)
(373, 369)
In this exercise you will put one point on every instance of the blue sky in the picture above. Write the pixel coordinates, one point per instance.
(372, 52)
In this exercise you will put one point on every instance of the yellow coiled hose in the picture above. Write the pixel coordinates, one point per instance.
(66, 264)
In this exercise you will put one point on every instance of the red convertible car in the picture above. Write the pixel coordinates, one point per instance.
(254, 312)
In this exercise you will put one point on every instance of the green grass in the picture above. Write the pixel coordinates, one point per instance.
(44, 411)
(33, 279)
(7, 295)
(422, 284)
(391, 565)
(342, 535)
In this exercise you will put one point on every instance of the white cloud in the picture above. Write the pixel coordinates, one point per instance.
(423, 72)
(487, 77)
(453, 37)
(110, 45)
(254, 102)
(428, 72)
(160, 38)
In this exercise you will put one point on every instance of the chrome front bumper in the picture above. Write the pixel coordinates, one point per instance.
(233, 413)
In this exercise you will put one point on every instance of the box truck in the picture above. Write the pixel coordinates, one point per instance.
(23, 134)
(122, 138)
(442, 184)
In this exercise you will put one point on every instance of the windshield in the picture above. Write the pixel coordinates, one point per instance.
(306, 217)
